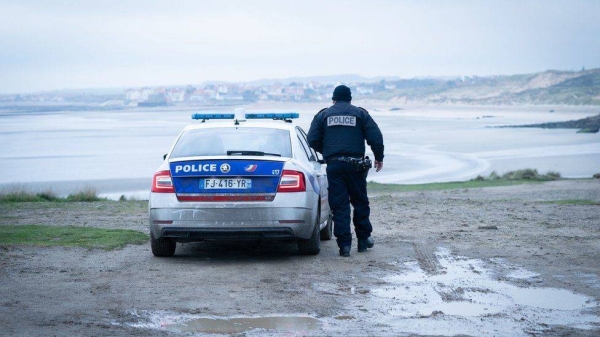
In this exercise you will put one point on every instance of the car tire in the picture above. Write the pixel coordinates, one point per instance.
(327, 231)
(162, 247)
(311, 246)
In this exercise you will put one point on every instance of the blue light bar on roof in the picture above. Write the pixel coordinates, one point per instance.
(281, 115)
(212, 116)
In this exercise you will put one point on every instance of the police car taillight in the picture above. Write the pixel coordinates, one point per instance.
(162, 182)
(292, 181)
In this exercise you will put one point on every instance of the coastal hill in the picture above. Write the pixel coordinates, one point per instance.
(550, 87)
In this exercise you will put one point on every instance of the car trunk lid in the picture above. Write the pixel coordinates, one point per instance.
(226, 179)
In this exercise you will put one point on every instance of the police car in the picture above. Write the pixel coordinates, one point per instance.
(253, 177)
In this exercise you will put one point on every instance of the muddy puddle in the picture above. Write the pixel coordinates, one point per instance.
(458, 296)
(464, 296)
(245, 324)
(184, 323)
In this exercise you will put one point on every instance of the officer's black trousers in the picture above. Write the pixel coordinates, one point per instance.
(347, 185)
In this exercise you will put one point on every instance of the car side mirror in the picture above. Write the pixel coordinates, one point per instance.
(164, 156)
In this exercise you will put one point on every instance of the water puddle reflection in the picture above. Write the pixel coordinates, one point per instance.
(247, 324)
(187, 323)
(467, 298)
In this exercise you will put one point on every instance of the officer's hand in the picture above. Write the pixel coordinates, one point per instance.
(378, 166)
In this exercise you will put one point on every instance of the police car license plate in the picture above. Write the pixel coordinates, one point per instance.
(227, 183)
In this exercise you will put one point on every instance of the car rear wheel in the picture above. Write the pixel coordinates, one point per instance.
(327, 231)
(311, 246)
(162, 247)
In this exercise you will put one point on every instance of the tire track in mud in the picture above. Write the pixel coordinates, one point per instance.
(427, 259)
(431, 265)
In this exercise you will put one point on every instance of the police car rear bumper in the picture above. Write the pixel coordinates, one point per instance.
(203, 220)
(183, 234)
(231, 230)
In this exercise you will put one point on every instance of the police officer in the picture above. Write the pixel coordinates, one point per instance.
(339, 133)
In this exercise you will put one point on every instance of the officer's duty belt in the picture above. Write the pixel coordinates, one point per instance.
(350, 160)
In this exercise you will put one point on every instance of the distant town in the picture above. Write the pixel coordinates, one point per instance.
(208, 94)
(548, 87)
(217, 93)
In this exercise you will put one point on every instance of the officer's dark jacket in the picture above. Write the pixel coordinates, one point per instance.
(341, 130)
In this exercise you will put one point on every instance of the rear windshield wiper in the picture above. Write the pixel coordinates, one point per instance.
(251, 153)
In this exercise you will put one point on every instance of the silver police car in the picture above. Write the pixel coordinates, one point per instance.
(233, 179)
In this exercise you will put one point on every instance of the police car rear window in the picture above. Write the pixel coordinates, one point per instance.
(217, 141)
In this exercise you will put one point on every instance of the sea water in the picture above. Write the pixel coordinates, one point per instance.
(117, 151)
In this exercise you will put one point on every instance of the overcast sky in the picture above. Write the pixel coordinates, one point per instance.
(50, 44)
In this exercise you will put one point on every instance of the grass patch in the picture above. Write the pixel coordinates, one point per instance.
(86, 195)
(511, 178)
(520, 175)
(114, 207)
(85, 237)
(574, 202)
(374, 187)
(19, 194)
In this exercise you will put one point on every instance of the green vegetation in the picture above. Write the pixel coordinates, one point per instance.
(589, 130)
(86, 237)
(18, 194)
(374, 187)
(114, 207)
(87, 194)
(493, 180)
(24, 196)
(520, 175)
(549, 87)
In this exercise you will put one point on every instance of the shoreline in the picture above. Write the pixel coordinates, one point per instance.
(139, 188)
(424, 144)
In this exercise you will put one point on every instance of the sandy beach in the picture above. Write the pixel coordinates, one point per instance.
(116, 152)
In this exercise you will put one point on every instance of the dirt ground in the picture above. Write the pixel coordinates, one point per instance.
(504, 261)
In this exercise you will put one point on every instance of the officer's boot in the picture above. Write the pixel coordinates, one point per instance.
(365, 243)
(345, 251)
